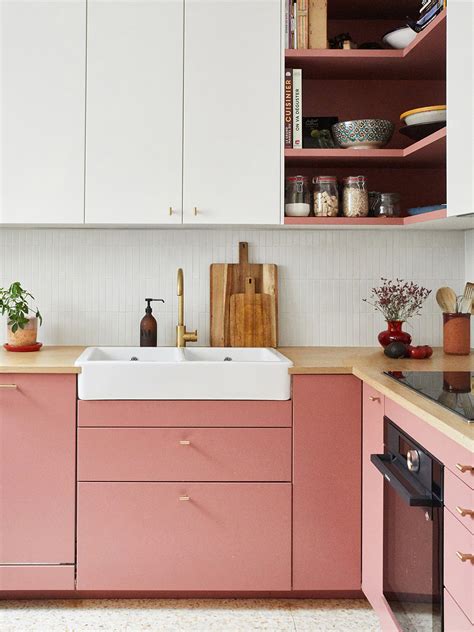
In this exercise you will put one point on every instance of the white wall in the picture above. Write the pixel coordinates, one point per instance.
(469, 255)
(91, 283)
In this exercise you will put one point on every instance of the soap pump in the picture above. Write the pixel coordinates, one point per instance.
(148, 325)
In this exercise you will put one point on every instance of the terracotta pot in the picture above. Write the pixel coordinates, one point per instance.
(394, 333)
(24, 337)
(457, 334)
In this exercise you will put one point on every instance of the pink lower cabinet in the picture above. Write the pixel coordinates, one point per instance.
(327, 483)
(454, 618)
(459, 563)
(184, 536)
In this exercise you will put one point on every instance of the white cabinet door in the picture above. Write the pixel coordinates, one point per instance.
(460, 81)
(42, 109)
(134, 111)
(232, 112)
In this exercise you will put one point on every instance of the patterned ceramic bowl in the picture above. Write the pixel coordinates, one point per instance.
(363, 134)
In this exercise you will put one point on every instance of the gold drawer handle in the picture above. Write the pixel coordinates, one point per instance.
(374, 399)
(170, 210)
(184, 442)
(184, 498)
(195, 210)
(464, 468)
(465, 512)
(8, 386)
(465, 557)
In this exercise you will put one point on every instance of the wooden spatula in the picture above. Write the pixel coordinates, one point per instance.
(469, 294)
(252, 318)
(446, 299)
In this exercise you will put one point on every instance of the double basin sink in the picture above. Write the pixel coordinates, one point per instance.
(194, 373)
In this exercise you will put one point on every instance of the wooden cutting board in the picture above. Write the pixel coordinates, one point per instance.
(252, 320)
(228, 279)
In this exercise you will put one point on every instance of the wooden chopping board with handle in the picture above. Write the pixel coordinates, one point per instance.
(252, 320)
(230, 278)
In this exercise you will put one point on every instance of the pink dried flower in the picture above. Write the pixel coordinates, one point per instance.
(399, 299)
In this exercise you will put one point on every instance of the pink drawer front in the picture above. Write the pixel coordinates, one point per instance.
(184, 454)
(237, 414)
(459, 575)
(41, 577)
(454, 618)
(184, 536)
(459, 499)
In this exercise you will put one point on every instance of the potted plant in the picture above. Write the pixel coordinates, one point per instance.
(22, 318)
(398, 301)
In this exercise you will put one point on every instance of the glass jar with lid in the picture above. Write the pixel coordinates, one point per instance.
(355, 197)
(297, 197)
(389, 205)
(325, 196)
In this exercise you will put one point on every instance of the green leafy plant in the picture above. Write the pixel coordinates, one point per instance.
(15, 303)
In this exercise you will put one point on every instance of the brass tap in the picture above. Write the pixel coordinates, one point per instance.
(182, 336)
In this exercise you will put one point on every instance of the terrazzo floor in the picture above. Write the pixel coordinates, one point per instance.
(217, 615)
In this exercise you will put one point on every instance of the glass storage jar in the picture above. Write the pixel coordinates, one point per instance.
(355, 197)
(389, 205)
(325, 196)
(297, 197)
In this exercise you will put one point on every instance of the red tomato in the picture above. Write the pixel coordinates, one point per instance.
(428, 351)
(418, 353)
(408, 353)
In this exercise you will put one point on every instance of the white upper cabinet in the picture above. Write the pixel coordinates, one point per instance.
(460, 82)
(232, 112)
(134, 112)
(42, 110)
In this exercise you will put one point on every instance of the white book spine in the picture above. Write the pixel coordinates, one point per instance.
(297, 109)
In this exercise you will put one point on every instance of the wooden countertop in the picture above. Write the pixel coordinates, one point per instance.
(369, 364)
(366, 363)
(48, 360)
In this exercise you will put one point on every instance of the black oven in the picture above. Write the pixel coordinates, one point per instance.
(412, 531)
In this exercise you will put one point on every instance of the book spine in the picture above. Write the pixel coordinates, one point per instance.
(302, 23)
(288, 109)
(295, 25)
(318, 23)
(297, 109)
(287, 25)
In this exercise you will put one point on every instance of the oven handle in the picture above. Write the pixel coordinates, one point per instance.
(383, 462)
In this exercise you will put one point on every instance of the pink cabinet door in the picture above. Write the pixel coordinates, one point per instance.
(184, 454)
(37, 468)
(454, 618)
(458, 570)
(184, 536)
(326, 482)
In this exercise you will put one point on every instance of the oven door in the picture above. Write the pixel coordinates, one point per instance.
(412, 528)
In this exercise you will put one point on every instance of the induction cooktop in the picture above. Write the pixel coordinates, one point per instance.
(451, 389)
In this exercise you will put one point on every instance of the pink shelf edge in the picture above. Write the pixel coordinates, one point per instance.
(367, 53)
(367, 221)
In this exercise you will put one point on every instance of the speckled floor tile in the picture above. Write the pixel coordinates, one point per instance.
(205, 615)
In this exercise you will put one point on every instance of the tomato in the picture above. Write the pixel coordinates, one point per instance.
(418, 353)
(428, 351)
(408, 353)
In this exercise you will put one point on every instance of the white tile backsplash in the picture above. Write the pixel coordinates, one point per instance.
(91, 283)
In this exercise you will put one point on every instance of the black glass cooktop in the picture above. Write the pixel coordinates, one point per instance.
(451, 389)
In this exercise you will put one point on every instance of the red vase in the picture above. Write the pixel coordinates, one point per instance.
(394, 333)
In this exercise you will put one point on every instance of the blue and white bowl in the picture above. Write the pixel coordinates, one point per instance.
(363, 134)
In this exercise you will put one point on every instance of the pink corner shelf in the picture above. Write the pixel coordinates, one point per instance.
(366, 221)
(424, 58)
(428, 152)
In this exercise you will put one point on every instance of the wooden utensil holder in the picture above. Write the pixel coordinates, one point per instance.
(457, 333)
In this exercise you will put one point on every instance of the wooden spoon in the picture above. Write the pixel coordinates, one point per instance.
(446, 299)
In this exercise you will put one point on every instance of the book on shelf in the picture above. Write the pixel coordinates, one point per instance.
(306, 24)
(302, 24)
(297, 108)
(293, 108)
(318, 24)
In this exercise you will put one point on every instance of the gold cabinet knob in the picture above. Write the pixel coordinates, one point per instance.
(184, 442)
(195, 210)
(184, 498)
(170, 210)
(8, 386)
(465, 512)
(465, 557)
(374, 399)
(464, 468)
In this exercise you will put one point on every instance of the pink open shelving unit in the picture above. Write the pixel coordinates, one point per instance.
(360, 83)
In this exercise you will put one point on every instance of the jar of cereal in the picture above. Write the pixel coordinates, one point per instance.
(325, 196)
(355, 198)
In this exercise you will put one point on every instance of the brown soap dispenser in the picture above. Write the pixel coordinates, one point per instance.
(148, 326)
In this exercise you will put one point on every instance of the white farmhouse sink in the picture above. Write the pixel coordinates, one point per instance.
(191, 373)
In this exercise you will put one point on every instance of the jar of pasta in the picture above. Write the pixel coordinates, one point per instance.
(325, 196)
(355, 197)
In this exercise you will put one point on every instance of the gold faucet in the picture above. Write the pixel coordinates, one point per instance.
(183, 336)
